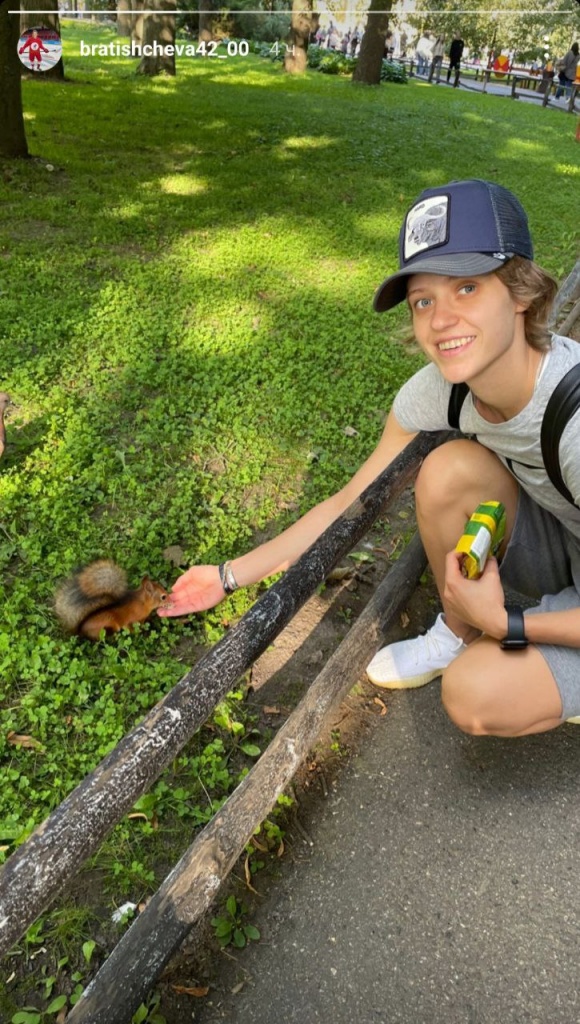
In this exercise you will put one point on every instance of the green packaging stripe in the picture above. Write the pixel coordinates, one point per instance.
(472, 528)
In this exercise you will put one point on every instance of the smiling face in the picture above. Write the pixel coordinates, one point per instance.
(464, 325)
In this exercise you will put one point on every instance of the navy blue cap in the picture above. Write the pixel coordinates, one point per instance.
(462, 229)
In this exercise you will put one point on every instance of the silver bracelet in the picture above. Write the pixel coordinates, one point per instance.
(227, 578)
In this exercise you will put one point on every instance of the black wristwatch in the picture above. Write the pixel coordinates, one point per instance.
(515, 639)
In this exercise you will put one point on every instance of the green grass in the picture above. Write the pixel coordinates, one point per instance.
(187, 268)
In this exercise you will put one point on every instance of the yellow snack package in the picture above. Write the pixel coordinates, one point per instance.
(483, 534)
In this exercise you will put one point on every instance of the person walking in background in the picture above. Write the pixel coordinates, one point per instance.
(437, 58)
(567, 71)
(423, 53)
(455, 55)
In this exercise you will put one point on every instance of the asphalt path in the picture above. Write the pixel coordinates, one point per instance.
(442, 887)
(496, 88)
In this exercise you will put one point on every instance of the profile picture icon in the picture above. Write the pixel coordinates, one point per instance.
(39, 49)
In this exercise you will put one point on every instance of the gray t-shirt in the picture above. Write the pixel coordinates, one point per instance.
(422, 404)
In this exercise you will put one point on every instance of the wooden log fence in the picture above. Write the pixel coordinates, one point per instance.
(36, 872)
(544, 95)
(569, 291)
(123, 982)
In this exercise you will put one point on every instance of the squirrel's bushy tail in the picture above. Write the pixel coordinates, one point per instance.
(88, 590)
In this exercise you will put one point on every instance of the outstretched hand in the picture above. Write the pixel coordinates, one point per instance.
(481, 603)
(197, 590)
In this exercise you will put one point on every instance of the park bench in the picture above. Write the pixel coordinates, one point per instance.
(35, 873)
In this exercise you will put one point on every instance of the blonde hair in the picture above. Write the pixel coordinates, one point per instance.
(529, 284)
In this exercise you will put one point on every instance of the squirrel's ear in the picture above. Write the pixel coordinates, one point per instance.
(145, 581)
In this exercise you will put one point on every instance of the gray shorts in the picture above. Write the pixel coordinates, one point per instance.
(542, 562)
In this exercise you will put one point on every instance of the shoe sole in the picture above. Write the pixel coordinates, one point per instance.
(407, 684)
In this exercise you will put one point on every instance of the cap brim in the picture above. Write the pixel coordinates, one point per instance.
(393, 290)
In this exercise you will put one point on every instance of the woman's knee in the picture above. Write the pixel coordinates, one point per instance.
(454, 470)
(446, 470)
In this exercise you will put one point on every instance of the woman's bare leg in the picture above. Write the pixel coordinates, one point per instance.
(490, 692)
(452, 481)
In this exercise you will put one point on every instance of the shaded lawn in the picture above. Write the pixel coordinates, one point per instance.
(187, 268)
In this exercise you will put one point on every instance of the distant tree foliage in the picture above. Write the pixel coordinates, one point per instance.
(482, 24)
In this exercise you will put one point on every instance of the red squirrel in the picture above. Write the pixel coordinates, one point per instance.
(98, 597)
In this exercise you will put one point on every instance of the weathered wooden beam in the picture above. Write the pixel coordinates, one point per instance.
(569, 291)
(137, 960)
(570, 320)
(40, 868)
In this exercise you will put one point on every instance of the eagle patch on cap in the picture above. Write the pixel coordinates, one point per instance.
(426, 226)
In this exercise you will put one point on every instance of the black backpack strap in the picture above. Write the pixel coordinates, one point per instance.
(563, 403)
(457, 397)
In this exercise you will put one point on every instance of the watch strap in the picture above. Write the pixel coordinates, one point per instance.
(515, 638)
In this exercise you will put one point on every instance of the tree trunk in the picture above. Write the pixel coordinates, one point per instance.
(296, 59)
(137, 22)
(124, 19)
(48, 19)
(158, 29)
(12, 135)
(207, 18)
(372, 47)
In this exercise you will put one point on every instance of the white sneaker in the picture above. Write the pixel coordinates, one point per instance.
(410, 663)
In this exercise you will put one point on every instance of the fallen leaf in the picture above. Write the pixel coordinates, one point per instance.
(281, 848)
(138, 814)
(61, 1016)
(28, 742)
(238, 988)
(198, 991)
(259, 846)
(361, 556)
(383, 706)
(248, 875)
(174, 554)
(405, 620)
(350, 432)
(339, 574)
(269, 709)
